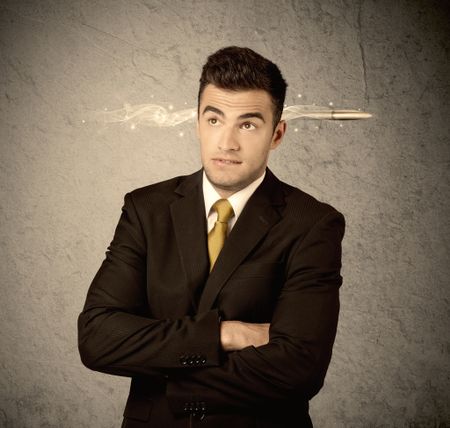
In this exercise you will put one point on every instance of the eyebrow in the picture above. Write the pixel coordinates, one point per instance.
(248, 115)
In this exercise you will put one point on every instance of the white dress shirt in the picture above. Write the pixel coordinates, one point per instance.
(237, 200)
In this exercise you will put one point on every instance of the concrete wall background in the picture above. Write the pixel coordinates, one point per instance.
(63, 181)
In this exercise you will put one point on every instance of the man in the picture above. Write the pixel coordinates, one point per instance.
(219, 293)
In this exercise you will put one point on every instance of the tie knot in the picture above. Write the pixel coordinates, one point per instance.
(224, 210)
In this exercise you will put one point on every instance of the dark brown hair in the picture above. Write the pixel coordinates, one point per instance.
(239, 68)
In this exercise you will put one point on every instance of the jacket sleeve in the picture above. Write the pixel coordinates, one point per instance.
(301, 336)
(117, 335)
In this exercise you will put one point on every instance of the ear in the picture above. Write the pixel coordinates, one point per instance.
(278, 134)
(197, 128)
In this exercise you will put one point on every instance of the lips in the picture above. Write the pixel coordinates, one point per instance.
(222, 161)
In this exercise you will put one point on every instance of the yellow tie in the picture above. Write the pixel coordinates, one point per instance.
(216, 238)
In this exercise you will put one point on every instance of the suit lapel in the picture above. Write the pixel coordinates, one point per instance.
(257, 218)
(188, 216)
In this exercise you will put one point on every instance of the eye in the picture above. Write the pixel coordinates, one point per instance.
(213, 121)
(248, 126)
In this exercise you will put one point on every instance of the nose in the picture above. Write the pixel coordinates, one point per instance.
(228, 140)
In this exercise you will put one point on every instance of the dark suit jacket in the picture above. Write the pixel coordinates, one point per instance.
(153, 309)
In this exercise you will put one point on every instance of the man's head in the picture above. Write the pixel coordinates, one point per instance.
(238, 69)
(241, 99)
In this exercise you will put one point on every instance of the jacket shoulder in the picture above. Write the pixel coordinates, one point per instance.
(162, 187)
(304, 207)
(160, 194)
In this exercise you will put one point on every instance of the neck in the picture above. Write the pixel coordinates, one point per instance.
(225, 194)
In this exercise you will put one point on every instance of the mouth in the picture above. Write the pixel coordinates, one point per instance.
(221, 161)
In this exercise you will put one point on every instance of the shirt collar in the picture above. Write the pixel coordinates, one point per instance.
(237, 200)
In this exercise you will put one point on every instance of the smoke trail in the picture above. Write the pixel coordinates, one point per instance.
(147, 114)
(154, 115)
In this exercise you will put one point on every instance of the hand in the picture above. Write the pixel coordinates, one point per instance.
(236, 335)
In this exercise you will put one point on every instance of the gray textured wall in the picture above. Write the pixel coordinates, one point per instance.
(63, 181)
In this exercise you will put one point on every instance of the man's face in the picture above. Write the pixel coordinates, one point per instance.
(236, 133)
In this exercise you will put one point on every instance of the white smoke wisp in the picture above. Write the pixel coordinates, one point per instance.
(148, 115)
(157, 116)
(307, 111)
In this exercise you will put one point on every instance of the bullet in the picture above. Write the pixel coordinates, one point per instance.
(320, 113)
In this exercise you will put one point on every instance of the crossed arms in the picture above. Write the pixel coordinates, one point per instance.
(244, 364)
